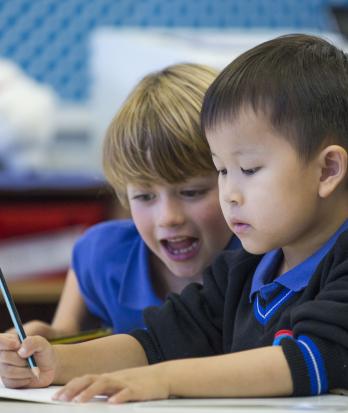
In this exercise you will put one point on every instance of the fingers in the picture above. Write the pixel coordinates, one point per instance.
(75, 387)
(123, 386)
(13, 352)
(103, 385)
(123, 396)
(13, 372)
(16, 384)
(12, 366)
(27, 348)
(9, 342)
(82, 389)
(12, 358)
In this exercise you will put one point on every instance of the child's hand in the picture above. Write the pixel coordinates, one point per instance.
(37, 328)
(141, 383)
(14, 369)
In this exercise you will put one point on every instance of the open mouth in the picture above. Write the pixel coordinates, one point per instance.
(181, 248)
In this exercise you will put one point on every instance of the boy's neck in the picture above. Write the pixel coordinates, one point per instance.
(332, 216)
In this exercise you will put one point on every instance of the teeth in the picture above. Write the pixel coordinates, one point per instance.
(185, 250)
(177, 239)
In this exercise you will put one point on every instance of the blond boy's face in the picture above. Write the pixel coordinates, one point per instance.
(268, 196)
(182, 224)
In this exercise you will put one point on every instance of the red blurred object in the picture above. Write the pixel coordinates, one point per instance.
(31, 217)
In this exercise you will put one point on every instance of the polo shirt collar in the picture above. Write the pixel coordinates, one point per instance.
(295, 279)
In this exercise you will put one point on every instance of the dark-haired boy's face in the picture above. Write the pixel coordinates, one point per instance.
(268, 196)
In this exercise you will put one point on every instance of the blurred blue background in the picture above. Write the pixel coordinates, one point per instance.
(48, 39)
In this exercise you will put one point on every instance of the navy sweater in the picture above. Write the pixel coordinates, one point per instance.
(218, 318)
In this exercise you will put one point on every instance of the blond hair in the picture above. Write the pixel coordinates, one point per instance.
(156, 135)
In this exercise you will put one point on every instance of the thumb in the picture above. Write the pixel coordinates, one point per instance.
(33, 344)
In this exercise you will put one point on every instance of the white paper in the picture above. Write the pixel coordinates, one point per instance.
(43, 395)
(34, 395)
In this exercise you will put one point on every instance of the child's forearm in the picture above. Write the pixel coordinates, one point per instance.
(98, 356)
(259, 372)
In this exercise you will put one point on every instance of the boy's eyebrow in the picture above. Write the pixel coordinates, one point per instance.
(253, 150)
(232, 153)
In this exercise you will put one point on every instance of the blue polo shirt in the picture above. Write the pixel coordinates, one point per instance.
(111, 262)
(269, 293)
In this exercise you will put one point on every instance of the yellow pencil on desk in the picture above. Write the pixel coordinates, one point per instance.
(82, 336)
(17, 323)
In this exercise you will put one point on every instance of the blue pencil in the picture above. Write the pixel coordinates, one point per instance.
(16, 321)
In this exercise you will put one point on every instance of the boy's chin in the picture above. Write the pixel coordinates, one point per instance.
(255, 249)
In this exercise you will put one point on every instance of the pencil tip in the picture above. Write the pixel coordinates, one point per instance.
(36, 372)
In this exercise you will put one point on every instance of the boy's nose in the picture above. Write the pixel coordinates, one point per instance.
(170, 215)
(231, 195)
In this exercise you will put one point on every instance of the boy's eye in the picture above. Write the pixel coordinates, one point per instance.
(144, 197)
(192, 193)
(249, 171)
(222, 171)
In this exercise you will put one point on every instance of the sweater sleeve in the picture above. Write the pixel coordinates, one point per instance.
(318, 352)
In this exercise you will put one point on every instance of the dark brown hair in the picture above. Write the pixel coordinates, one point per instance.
(299, 82)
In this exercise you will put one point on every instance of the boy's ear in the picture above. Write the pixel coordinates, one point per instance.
(333, 164)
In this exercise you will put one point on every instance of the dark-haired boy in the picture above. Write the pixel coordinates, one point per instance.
(274, 317)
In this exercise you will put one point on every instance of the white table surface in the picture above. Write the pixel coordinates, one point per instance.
(278, 405)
